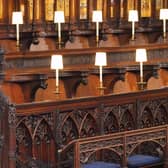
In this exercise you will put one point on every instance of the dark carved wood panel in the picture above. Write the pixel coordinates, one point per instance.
(122, 145)
(35, 140)
(7, 132)
(54, 126)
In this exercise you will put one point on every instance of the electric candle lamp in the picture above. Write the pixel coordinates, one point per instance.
(141, 56)
(164, 17)
(57, 63)
(133, 17)
(97, 17)
(17, 18)
(59, 18)
(101, 60)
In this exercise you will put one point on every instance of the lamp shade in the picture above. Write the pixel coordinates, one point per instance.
(97, 16)
(133, 16)
(56, 62)
(163, 14)
(17, 17)
(59, 17)
(101, 59)
(141, 55)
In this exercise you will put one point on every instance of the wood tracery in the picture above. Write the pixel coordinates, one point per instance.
(104, 117)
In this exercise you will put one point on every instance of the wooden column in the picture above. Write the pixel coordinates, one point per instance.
(90, 8)
(105, 9)
(72, 14)
(165, 3)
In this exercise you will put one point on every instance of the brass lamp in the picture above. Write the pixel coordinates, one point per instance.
(101, 60)
(17, 18)
(97, 17)
(59, 18)
(141, 56)
(57, 63)
(133, 17)
(164, 17)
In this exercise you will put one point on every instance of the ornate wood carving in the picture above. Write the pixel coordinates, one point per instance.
(58, 124)
(153, 112)
(136, 140)
(34, 136)
(7, 132)
(123, 144)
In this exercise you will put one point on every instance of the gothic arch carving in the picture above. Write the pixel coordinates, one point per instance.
(89, 126)
(127, 121)
(23, 142)
(77, 116)
(112, 109)
(114, 82)
(43, 130)
(161, 116)
(146, 118)
(43, 141)
(149, 148)
(69, 130)
(111, 124)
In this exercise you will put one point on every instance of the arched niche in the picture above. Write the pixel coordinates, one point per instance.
(154, 83)
(161, 116)
(24, 143)
(119, 87)
(151, 148)
(127, 122)
(147, 118)
(69, 131)
(89, 127)
(111, 123)
(48, 93)
(44, 143)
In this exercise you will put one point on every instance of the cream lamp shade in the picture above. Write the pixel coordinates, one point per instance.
(97, 16)
(163, 14)
(141, 55)
(17, 17)
(56, 62)
(133, 16)
(101, 59)
(59, 17)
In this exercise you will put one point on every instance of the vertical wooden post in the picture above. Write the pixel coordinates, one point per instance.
(104, 10)
(90, 8)
(72, 16)
(166, 151)
(77, 155)
(12, 136)
(165, 4)
(124, 162)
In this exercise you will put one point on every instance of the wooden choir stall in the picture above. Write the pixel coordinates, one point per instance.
(83, 84)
